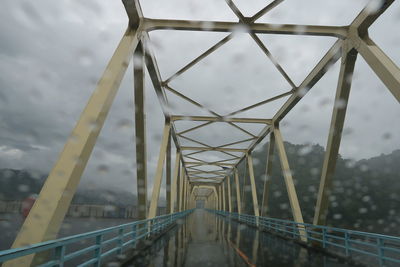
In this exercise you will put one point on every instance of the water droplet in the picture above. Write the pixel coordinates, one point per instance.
(103, 169)
(23, 188)
(374, 6)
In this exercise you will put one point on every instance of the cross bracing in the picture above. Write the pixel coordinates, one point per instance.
(196, 171)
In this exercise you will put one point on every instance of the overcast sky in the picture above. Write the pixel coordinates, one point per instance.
(53, 52)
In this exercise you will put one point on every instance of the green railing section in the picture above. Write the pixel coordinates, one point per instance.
(95, 246)
(377, 249)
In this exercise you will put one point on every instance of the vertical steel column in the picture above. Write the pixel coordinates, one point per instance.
(183, 190)
(187, 196)
(243, 194)
(216, 199)
(47, 214)
(157, 179)
(168, 176)
(287, 174)
(175, 182)
(229, 194)
(219, 197)
(268, 174)
(238, 201)
(140, 132)
(253, 185)
(180, 193)
(223, 195)
(335, 134)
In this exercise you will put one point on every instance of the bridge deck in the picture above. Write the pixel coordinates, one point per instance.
(205, 239)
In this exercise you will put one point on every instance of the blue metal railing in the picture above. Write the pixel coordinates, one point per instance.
(117, 239)
(383, 249)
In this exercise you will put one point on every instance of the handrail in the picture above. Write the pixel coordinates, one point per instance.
(383, 248)
(126, 235)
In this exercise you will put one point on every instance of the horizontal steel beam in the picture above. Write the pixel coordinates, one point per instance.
(219, 172)
(225, 26)
(210, 163)
(207, 178)
(220, 119)
(204, 183)
(198, 148)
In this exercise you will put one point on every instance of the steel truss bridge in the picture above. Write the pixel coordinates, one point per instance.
(189, 182)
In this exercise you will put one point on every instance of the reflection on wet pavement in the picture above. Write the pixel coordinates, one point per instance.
(204, 239)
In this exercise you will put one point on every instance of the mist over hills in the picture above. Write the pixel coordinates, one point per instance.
(19, 184)
(366, 193)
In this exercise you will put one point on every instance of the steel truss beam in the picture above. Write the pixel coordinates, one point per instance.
(335, 134)
(268, 175)
(227, 26)
(220, 119)
(287, 174)
(46, 216)
(140, 132)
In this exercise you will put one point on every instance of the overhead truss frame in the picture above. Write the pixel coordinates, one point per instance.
(352, 39)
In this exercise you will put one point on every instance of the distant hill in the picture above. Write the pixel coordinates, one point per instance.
(19, 184)
(366, 193)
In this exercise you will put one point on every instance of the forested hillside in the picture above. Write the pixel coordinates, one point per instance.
(366, 193)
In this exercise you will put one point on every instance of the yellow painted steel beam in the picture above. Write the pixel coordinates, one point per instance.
(186, 98)
(205, 177)
(223, 195)
(168, 175)
(140, 131)
(260, 44)
(227, 26)
(213, 149)
(237, 185)
(312, 78)
(268, 175)
(184, 192)
(220, 119)
(180, 192)
(210, 163)
(335, 134)
(229, 194)
(222, 41)
(253, 185)
(155, 78)
(158, 176)
(47, 214)
(365, 19)
(268, 100)
(252, 146)
(287, 174)
(206, 172)
(175, 179)
(380, 63)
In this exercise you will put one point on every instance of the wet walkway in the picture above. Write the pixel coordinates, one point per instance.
(205, 239)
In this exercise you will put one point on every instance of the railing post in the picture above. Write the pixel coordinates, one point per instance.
(134, 229)
(97, 251)
(60, 252)
(324, 238)
(293, 231)
(381, 251)
(120, 240)
(347, 243)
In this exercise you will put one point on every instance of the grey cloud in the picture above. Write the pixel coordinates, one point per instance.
(53, 52)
